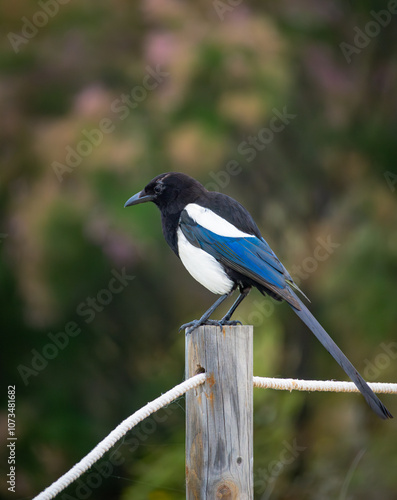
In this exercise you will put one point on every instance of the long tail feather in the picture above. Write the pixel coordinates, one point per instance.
(374, 402)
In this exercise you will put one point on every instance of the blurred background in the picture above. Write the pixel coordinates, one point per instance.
(290, 107)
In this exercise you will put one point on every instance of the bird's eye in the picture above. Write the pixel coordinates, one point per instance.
(158, 188)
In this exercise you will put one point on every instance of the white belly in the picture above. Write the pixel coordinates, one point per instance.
(203, 267)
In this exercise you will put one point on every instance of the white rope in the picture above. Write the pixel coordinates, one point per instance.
(290, 384)
(268, 383)
(77, 470)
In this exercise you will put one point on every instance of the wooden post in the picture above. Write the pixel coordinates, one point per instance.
(219, 423)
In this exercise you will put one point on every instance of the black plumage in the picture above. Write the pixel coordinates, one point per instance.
(220, 245)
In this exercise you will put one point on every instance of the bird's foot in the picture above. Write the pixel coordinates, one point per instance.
(192, 325)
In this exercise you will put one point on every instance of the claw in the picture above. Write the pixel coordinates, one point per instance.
(232, 323)
(192, 325)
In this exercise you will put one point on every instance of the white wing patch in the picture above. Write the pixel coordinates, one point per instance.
(213, 222)
(203, 267)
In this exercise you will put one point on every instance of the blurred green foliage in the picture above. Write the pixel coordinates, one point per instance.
(191, 87)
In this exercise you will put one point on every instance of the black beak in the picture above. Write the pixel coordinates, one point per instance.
(140, 197)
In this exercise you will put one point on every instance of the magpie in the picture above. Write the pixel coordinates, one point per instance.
(220, 245)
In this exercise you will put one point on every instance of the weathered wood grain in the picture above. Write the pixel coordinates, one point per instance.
(219, 423)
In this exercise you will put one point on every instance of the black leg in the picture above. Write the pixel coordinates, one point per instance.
(204, 318)
(240, 298)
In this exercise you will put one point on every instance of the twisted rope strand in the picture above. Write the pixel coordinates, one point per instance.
(262, 382)
(100, 449)
(290, 384)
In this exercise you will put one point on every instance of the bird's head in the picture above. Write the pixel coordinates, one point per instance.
(171, 191)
